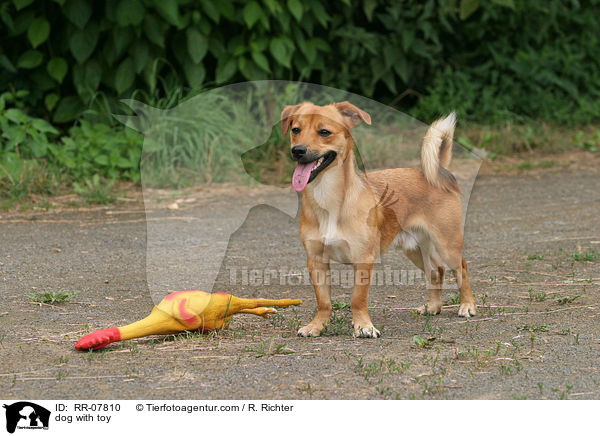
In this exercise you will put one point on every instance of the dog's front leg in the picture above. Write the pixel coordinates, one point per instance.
(363, 327)
(320, 276)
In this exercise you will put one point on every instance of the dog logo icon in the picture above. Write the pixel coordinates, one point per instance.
(26, 415)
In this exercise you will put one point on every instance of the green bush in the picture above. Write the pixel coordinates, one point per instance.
(493, 60)
(113, 153)
(35, 159)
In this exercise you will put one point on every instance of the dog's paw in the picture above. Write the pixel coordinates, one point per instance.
(366, 332)
(430, 309)
(310, 330)
(467, 310)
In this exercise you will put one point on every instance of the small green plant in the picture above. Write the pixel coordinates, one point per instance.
(564, 394)
(383, 366)
(452, 298)
(384, 391)
(590, 255)
(535, 256)
(510, 369)
(418, 341)
(51, 297)
(338, 325)
(433, 331)
(293, 322)
(95, 190)
(567, 299)
(61, 360)
(587, 142)
(437, 387)
(270, 349)
(92, 354)
(537, 296)
(308, 389)
(340, 305)
(529, 166)
(132, 372)
(534, 328)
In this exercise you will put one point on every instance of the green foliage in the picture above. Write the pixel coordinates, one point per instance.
(99, 149)
(502, 59)
(88, 148)
(519, 60)
(34, 159)
(22, 135)
(587, 142)
(95, 190)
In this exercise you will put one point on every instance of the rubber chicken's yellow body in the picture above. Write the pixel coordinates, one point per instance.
(185, 310)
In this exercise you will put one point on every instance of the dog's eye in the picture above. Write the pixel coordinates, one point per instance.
(324, 132)
(296, 130)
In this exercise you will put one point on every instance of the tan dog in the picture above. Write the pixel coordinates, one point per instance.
(354, 218)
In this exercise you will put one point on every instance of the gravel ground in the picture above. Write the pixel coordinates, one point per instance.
(531, 241)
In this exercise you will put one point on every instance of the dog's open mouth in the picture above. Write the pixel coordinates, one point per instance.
(306, 172)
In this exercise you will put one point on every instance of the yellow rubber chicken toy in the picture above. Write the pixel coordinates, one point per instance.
(185, 310)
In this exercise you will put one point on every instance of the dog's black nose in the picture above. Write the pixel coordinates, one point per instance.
(298, 151)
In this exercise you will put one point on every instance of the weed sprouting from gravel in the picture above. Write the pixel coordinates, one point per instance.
(91, 355)
(537, 296)
(340, 305)
(453, 298)
(567, 299)
(590, 255)
(381, 367)
(340, 322)
(265, 349)
(51, 297)
(308, 389)
(420, 342)
(534, 328)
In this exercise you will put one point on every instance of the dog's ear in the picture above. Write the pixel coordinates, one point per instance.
(286, 118)
(352, 114)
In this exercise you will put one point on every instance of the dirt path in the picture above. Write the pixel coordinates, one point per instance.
(532, 244)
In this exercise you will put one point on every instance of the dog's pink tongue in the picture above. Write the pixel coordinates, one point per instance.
(301, 175)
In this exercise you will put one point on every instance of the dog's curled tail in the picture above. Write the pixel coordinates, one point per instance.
(436, 154)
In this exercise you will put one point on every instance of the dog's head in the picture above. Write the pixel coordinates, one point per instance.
(319, 136)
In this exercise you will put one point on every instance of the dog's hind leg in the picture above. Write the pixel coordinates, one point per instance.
(451, 253)
(434, 277)
(467, 301)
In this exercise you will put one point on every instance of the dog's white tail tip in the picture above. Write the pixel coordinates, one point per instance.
(448, 123)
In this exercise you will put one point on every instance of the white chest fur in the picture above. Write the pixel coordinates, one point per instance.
(342, 226)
